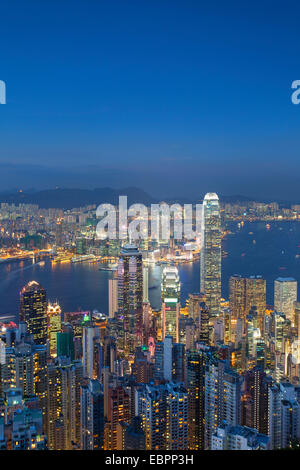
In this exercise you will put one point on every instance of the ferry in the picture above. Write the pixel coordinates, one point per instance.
(109, 267)
(80, 259)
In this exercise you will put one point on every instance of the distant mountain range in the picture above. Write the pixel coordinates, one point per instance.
(71, 198)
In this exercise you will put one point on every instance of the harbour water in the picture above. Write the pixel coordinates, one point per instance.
(252, 249)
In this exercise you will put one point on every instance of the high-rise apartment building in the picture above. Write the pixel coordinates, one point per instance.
(222, 398)
(118, 410)
(92, 415)
(63, 404)
(195, 384)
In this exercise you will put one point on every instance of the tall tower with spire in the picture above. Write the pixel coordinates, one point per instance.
(210, 266)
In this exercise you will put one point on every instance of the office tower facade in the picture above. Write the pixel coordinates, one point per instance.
(65, 342)
(113, 295)
(158, 373)
(297, 317)
(210, 265)
(163, 358)
(167, 359)
(193, 304)
(130, 297)
(92, 415)
(54, 326)
(145, 284)
(285, 294)
(244, 293)
(178, 362)
(90, 350)
(33, 311)
(203, 324)
(170, 300)
(148, 330)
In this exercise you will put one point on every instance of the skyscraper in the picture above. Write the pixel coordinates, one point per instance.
(90, 339)
(222, 398)
(63, 404)
(170, 298)
(113, 295)
(176, 417)
(210, 274)
(130, 296)
(92, 415)
(118, 410)
(54, 326)
(33, 311)
(285, 294)
(244, 293)
(151, 407)
(195, 381)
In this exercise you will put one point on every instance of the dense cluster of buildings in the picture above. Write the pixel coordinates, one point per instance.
(211, 374)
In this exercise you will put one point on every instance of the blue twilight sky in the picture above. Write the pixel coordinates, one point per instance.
(175, 97)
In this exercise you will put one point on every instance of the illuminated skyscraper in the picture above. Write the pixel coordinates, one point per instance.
(145, 284)
(210, 274)
(151, 407)
(90, 348)
(118, 410)
(176, 417)
(63, 404)
(113, 295)
(255, 400)
(244, 293)
(222, 398)
(33, 311)
(130, 297)
(170, 298)
(54, 326)
(285, 294)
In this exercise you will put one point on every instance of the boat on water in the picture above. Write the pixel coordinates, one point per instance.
(110, 267)
(80, 259)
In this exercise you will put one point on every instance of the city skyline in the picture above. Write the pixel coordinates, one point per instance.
(149, 229)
